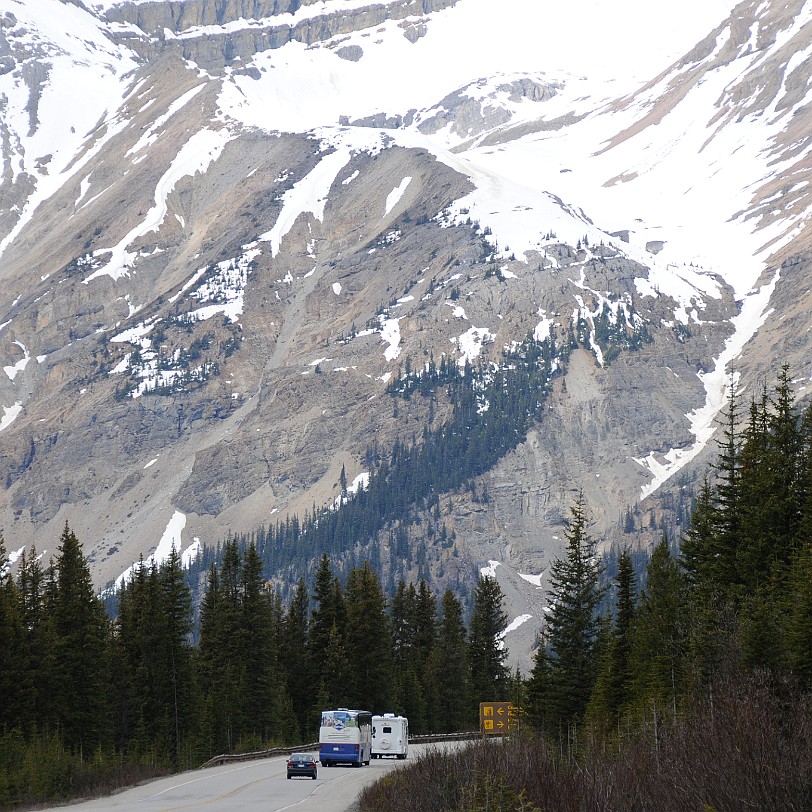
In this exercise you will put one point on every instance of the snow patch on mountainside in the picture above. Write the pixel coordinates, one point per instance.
(202, 149)
(170, 540)
(51, 126)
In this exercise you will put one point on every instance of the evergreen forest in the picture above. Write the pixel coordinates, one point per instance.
(710, 648)
(695, 691)
(91, 702)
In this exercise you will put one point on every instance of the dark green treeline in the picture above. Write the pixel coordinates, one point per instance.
(89, 700)
(734, 600)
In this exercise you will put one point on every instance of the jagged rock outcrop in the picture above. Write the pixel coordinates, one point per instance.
(203, 304)
(202, 35)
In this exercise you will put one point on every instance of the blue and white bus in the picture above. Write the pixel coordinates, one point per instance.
(345, 737)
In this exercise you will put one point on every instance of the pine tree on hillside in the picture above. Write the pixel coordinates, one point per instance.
(799, 624)
(614, 683)
(538, 685)
(81, 651)
(15, 677)
(131, 680)
(698, 548)
(727, 515)
(294, 658)
(368, 639)
(324, 617)
(424, 623)
(769, 486)
(37, 590)
(425, 637)
(258, 652)
(401, 617)
(408, 696)
(219, 671)
(451, 669)
(799, 594)
(572, 627)
(804, 531)
(175, 649)
(335, 685)
(659, 641)
(486, 651)
(153, 671)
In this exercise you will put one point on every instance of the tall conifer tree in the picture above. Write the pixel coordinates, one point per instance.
(613, 687)
(14, 657)
(451, 668)
(659, 642)
(486, 651)
(81, 663)
(368, 640)
(573, 624)
(294, 653)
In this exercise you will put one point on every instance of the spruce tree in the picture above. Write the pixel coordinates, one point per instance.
(727, 513)
(174, 647)
(81, 649)
(799, 621)
(451, 670)
(294, 653)
(258, 653)
(336, 683)
(486, 651)
(37, 589)
(799, 594)
(220, 674)
(15, 677)
(409, 697)
(614, 683)
(659, 642)
(537, 703)
(324, 616)
(425, 638)
(573, 623)
(698, 547)
(368, 641)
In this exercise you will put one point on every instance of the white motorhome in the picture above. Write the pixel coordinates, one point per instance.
(390, 736)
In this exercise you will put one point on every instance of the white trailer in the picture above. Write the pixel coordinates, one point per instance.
(390, 736)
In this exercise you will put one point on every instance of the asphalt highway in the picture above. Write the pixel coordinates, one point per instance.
(251, 785)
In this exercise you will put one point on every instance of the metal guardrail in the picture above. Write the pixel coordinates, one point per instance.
(445, 737)
(228, 758)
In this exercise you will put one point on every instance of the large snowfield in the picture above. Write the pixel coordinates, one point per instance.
(678, 182)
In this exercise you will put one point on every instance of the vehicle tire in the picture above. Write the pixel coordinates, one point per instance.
(314, 776)
(288, 778)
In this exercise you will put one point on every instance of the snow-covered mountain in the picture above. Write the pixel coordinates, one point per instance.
(225, 227)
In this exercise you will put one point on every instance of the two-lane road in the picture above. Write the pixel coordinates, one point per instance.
(251, 785)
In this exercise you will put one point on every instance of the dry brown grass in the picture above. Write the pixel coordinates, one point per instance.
(745, 747)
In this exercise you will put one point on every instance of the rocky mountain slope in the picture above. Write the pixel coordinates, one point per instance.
(225, 228)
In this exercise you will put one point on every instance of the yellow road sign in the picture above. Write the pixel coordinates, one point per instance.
(495, 718)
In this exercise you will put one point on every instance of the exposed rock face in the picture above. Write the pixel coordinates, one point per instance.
(202, 316)
(202, 34)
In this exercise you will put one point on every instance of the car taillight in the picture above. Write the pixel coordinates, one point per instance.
(356, 748)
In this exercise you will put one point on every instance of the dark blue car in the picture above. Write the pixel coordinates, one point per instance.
(302, 764)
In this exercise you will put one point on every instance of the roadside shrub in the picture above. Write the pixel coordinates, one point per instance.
(746, 745)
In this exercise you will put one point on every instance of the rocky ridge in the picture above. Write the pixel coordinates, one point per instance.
(237, 356)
